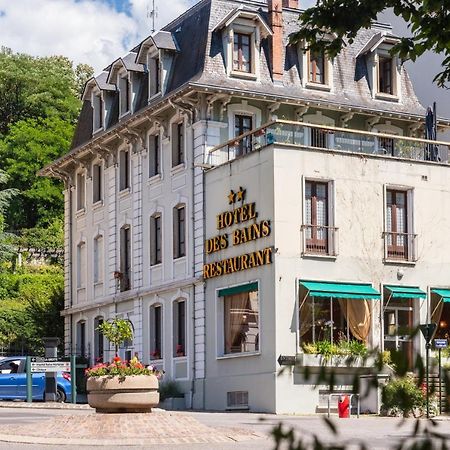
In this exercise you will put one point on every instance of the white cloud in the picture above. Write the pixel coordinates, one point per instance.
(85, 30)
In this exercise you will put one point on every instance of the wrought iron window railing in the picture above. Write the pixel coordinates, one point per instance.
(319, 240)
(400, 246)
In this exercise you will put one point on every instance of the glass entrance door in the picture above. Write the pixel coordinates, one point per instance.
(398, 326)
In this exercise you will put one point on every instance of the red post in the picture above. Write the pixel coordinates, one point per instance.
(344, 407)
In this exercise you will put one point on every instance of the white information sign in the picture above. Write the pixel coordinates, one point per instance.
(49, 366)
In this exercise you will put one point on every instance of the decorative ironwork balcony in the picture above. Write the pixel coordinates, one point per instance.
(304, 135)
(319, 240)
(400, 246)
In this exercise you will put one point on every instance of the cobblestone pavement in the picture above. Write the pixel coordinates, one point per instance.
(159, 427)
(186, 430)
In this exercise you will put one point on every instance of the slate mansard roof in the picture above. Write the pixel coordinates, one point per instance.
(199, 63)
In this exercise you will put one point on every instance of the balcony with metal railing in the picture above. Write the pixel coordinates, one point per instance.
(319, 240)
(400, 247)
(310, 136)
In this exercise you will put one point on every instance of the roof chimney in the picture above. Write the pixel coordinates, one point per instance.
(276, 43)
(290, 4)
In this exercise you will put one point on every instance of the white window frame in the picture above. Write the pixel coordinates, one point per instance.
(247, 27)
(409, 221)
(220, 332)
(373, 66)
(304, 61)
(331, 192)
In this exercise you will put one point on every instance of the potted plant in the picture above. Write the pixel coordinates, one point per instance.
(121, 386)
(180, 350)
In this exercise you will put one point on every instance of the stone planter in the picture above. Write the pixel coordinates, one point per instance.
(133, 393)
(316, 360)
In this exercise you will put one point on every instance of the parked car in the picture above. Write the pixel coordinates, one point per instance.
(13, 381)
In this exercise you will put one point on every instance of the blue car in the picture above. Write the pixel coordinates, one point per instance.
(13, 381)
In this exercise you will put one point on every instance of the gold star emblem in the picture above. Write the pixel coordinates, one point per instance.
(240, 195)
(231, 197)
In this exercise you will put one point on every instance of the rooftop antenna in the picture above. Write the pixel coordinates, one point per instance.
(152, 14)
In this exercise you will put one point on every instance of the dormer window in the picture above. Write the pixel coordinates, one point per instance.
(316, 67)
(383, 70)
(99, 111)
(242, 30)
(124, 92)
(242, 53)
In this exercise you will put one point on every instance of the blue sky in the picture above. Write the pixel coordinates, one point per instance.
(120, 5)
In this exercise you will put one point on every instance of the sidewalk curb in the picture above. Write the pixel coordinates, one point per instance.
(42, 405)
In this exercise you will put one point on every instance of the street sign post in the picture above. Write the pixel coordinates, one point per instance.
(46, 365)
(428, 330)
(440, 344)
(286, 360)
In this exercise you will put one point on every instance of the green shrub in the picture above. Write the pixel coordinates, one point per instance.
(169, 389)
(402, 396)
(353, 348)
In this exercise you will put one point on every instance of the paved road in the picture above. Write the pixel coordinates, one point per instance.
(377, 433)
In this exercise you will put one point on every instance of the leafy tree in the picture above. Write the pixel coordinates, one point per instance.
(6, 195)
(29, 145)
(428, 21)
(117, 332)
(39, 105)
(83, 72)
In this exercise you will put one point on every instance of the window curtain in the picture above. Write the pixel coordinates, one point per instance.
(358, 314)
(234, 309)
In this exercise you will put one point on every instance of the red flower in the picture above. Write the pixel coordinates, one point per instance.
(116, 359)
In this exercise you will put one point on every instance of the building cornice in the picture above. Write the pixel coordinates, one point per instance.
(130, 295)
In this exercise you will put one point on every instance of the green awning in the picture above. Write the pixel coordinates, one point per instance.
(405, 291)
(341, 290)
(444, 293)
(249, 287)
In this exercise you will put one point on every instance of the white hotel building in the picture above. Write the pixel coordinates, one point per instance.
(327, 220)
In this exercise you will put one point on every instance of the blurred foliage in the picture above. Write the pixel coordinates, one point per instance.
(402, 396)
(169, 389)
(30, 303)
